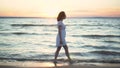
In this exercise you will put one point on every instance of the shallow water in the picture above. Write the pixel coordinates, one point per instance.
(88, 39)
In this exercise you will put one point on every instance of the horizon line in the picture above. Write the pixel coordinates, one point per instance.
(55, 17)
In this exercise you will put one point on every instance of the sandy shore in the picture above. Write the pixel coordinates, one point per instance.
(58, 65)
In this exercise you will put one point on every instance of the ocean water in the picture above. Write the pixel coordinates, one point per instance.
(34, 39)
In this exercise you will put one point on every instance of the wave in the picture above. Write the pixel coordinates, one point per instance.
(76, 35)
(97, 61)
(19, 33)
(110, 53)
(42, 57)
(100, 36)
(23, 33)
(109, 25)
(106, 53)
(25, 25)
(101, 47)
(4, 44)
(95, 36)
(64, 60)
(91, 25)
(31, 25)
(112, 42)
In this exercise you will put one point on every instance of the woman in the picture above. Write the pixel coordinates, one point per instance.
(60, 40)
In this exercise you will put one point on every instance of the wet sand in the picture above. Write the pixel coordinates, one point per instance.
(58, 65)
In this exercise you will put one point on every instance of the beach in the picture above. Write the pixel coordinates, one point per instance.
(29, 64)
(30, 43)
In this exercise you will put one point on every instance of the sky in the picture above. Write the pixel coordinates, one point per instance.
(51, 8)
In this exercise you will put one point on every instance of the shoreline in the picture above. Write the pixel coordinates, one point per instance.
(46, 64)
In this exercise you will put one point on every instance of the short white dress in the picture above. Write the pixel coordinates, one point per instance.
(63, 34)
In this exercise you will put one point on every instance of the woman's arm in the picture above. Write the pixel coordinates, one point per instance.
(60, 35)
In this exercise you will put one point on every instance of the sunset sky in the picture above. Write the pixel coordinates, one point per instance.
(50, 8)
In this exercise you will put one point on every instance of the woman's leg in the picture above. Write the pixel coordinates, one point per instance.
(67, 52)
(57, 52)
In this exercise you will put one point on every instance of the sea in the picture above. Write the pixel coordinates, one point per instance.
(89, 39)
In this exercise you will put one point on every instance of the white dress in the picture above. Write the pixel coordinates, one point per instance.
(63, 34)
